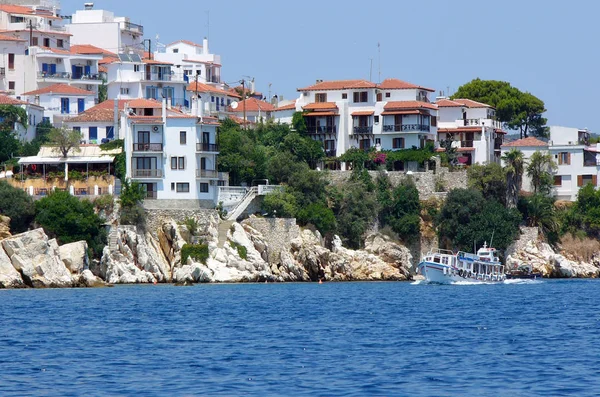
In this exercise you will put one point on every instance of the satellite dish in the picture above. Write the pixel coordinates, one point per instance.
(234, 105)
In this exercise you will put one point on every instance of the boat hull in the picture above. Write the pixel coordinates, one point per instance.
(443, 274)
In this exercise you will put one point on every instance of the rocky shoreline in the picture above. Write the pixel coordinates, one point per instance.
(237, 252)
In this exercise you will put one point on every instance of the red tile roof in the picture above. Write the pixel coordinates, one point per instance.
(363, 113)
(471, 104)
(339, 85)
(201, 87)
(526, 142)
(155, 62)
(56, 50)
(409, 105)
(396, 84)
(239, 120)
(290, 106)
(6, 100)
(4, 37)
(447, 103)
(14, 9)
(64, 89)
(107, 60)
(143, 103)
(88, 49)
(321, 106)
(253, 105)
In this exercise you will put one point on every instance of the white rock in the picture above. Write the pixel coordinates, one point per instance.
(9, 277)
(74, 256)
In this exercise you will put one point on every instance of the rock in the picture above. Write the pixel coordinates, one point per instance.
(37, 260)
(87, 279)
(74, 256)
(116, 268)
(4, 227)
(9, 277)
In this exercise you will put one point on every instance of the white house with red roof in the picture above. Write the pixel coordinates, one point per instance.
(213, 100)
(101, 28)
(253, 110)
(35, 115)
(194, 61)
(284, 111)
(100, 123)
(47, 58)
(61, 101)
(472, 127)
(528, 146)
(343, 114)
(11, 59)
(172, 154)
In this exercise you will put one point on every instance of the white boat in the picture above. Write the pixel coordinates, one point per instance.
(446, 267)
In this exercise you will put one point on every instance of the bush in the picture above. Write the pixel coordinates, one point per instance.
(135, 216)
(69, 219)
(18, 206)
(104, 203)
(356, 211)
(280, 204)
(318, 215)
(241, 250)
(192, 225)
(403, 211)
(132, 194)
(198, 252)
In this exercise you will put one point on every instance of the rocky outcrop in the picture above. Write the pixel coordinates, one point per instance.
(9, 277)
(542, 258)
(74, 256)
(4, 227)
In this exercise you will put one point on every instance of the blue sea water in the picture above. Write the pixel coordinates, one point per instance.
(332, 339)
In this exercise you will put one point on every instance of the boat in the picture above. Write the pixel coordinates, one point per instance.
(523, 272)
(446, 267)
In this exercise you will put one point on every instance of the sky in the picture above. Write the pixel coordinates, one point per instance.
(548, 48)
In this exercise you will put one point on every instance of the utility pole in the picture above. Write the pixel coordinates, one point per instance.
(30, 33)
(243, 99)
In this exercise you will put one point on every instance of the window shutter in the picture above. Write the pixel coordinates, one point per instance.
(595, 180)
(579, 180)
(402, 143)
(568, 158)
(433, 121)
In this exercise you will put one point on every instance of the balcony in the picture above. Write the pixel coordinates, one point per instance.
(466, 143)
(207, 147)
(165, 77)
(330, 153)
(132, 27)
(326, 129)
(591, 163)
(147, 147)
(363, 130)
(209, 174)
(150, 195)
(497, 143)
(147, 173)
(68, 76)
(406, 128)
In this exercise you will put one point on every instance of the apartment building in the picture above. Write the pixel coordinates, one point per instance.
(172, 154)
(60, 101)
(35, 114)
(472, 127)
(213, 99)
(253, 110)
(193, 61)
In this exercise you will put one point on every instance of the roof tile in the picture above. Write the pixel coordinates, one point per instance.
(60, 89)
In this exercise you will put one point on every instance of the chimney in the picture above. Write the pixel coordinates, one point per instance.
(205, 46)
(252, 87)
(164, 111)
(199, 107)
(88, 6)
(319, 81)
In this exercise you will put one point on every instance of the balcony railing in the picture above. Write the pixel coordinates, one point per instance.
(406, 127)
(68, 76)
(148, 173)
(162, 77)
(132, 27)
(330, 153)
(321, 129)
(363, 130)
(207, 174)
(591, 163)
(466, 143)
(147, 147)
(497, 143)
(207, 147)
(151, 195)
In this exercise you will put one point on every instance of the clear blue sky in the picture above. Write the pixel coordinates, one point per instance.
(548, 48)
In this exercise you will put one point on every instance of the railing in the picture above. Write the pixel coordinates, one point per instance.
(363, 130)
(481, 123)
(330, 153)
(151, 195)
(207, 174)
(147, 147)
(497, 143)
(405, 127)
(132, 27)
(68, 76)
(466, 143)
(207, 147)
(591, 163)
(326, 129)
(149, 173)
(266, 189)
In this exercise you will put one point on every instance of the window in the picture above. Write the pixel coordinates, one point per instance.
(11, 61)
(365, 144)
(145, 163)
(64, 105)
(173, 163)
(212, 98)
(46, 42)
(204, 188)
(583, 180)
(177, 163)
(564, 158)
(378, 141)
(557, 180)
(181, 163)
(379, 97)
(182, 138)
(172, 186)
(344, 96)
(398, 143)
(376, 119)
(183, 188)
(110, 132)
(34, 41)
(60, 43)
(362, 96)
(220, 183)
(151, 93)
(93, 133)
(78, 129)
(321, 97)
(136, 68)
(175, 50)
(388, 94)
(11, 85)
(124, 91)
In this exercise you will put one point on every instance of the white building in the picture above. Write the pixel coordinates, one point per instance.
(253, 110)
(343, 114)
(284, 113)
(172, 154)
(103, 29)
(131, 77)
(35, 115)
(473, 128)
(101, 123)
(578, 162)
(11, 76)
(193, 61)
(44, 57)
(61, 101)
(213, 99)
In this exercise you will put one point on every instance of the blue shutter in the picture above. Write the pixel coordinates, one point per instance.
(80, 105)
(88, 70)
(110, 132)
(93, 133)
(45, 67)
(52, 68)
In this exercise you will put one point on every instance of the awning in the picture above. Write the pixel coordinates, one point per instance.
(317, 114)
(69, 160)
(591, 149)
(364, 113)
(400, 112)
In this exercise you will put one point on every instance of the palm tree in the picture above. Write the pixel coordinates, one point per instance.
(540, 171)
(514, 162)
(541, 213)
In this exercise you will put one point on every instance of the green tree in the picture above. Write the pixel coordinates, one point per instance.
(9, 139)
(281, 204)
(18, 206)
(514, 161)
(102, 92)
(64, 140)
(282, 166)
(69, 219)
(540, 170)
(298, 123)
(404, 215)
(357, 210)
(518, 110)
(318, 215)
(383, 191)
(309, 187)
(489, 179)
(538, 210)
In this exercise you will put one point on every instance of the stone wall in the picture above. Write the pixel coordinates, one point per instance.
(425, 181)
(167, 204)
(527, 234)
(278, 232)
(156, 218)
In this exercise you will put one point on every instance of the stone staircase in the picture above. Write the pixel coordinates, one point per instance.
(113, 239)
(223, 229)
(243, 204)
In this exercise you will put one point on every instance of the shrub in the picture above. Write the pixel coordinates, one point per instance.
(281, 204)
(135, 216)
(132, 194)
(18, 206)
(580, 248)
(192, 225)
(241, 250)
(198, 252)
(318, 215)
(104, 203)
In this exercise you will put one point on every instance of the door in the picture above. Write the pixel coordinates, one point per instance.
(80, 105)
(143, 140)
(93, 134)
(64, 105)
(202, 163)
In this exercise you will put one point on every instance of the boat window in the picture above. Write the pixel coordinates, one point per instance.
(445, 260)
(436, 259)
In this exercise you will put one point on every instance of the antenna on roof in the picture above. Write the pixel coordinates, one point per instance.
(371, 70)
(379, 61)
(208, 24)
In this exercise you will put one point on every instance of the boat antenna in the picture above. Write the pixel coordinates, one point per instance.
(474, 247)
(492, 239)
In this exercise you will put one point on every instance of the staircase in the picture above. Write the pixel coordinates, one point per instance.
(223, 229)
(243, 204)
(113, 239)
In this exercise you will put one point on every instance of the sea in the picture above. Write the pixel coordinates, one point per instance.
(523, 338)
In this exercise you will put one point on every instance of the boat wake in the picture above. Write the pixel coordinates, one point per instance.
(523, 281)
(505, 282)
